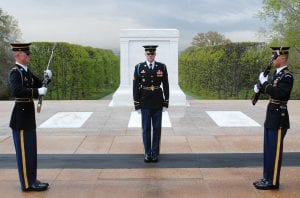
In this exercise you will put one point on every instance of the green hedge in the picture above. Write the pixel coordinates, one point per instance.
(224, 71)
(78, 72)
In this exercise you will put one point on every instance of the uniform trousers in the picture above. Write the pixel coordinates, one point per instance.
(26, 154)
(273, 147)
(154, 116)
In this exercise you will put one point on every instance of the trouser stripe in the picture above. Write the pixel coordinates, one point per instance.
(23, 158)
(277, 156)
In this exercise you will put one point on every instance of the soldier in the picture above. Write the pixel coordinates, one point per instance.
(25, 86)
(277, 118)
(151, 99)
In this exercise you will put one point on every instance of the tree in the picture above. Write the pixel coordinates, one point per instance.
(209, 39)
(78, 72)
(222, 72)
(285, 21)
(285, 31)
(9, 32)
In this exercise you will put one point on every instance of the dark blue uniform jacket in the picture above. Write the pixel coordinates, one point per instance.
(147, 90)
(24, 87)
(279, 90)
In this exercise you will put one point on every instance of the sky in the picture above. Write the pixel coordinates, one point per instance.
(97, 23)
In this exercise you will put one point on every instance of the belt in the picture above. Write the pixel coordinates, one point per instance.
(152, 88)
(23, 100)
(273, 101)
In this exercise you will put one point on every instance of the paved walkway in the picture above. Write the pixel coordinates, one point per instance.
(194, 133)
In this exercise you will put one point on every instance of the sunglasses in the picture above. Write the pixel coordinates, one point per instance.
(27, 53)
(150, 53)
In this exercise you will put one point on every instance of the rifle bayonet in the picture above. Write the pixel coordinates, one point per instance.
(45, 81)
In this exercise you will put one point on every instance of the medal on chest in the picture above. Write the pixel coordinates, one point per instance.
(26, 81)
(275, 82)
(143, 72)
(159, 73)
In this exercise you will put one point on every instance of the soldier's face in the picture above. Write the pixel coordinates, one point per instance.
(150, 56)
(26, 57)
(280, 61)
(23, 58)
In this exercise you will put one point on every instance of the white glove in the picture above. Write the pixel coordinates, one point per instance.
(138, 111)
(164, 109)
(42, 91)
(256, 90)
(48, 73)
(262, 78)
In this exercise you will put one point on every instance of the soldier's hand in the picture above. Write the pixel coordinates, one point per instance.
(166, 103)
(256, 89)
(42, 91)
(262, 78)
(48, 74)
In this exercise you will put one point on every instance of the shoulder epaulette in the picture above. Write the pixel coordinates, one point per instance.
(287, 73)
(15, 68)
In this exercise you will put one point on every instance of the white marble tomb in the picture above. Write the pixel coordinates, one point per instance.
(132, 53)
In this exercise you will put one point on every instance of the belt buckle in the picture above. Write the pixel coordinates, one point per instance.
(152, 88)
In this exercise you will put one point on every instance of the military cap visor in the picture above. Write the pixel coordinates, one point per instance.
(150, 48)
(281, 50)
(21, 47)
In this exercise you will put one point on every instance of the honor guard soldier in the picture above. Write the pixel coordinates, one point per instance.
(151, 97)
(277, 118)
(25, 86)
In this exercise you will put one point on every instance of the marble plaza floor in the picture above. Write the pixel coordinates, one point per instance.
(205, 152)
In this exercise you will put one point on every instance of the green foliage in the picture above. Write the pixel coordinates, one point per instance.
(222, 72)
(9, 32)
(284, 30)
(209, 39)
(4, 92)
(78, 72)
(285, 21)
(296, 88)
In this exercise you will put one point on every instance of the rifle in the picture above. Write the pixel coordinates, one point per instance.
(45, 81)
(255, 96)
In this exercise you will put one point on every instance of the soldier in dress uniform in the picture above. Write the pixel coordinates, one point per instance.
(277, 118)
(25, 86)
(151, 97)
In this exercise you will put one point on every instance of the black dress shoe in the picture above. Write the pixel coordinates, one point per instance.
(39, 182)
(147, 159)
(154, 158)
(260, 180)
(266, 185)
(37, 186)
